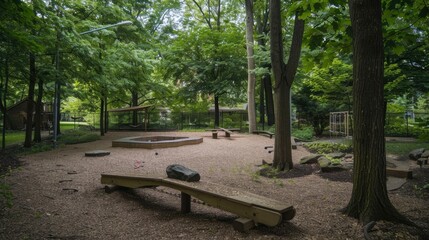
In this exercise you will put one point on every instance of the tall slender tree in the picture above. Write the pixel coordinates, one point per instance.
(251, 76)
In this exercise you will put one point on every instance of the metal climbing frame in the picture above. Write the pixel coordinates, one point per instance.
(339, 124)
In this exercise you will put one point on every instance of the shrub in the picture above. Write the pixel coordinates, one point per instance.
(304, 133)
(77, 136)
(326, 147)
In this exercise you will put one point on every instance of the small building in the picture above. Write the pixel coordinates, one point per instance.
(17, 115)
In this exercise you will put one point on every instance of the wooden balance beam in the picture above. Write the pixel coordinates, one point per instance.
(251, 208)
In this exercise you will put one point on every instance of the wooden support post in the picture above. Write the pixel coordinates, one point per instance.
(214, 134)
(186, 202)
(243, 224)
(227, 134)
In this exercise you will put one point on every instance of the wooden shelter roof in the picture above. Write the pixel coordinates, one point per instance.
(130, 109)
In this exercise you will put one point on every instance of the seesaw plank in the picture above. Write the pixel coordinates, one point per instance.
(244, 204)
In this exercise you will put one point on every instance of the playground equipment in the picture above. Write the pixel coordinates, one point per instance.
(252, 209)
(339, 124)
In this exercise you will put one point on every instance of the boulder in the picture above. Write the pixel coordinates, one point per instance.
(324, 162)
(425, 154)
(310, 159)
(336, 155)
(416, 153)
(183, 173)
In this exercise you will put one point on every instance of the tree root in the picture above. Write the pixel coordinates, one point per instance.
(368, 228)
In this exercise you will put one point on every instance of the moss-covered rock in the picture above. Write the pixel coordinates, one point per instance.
(310, 159)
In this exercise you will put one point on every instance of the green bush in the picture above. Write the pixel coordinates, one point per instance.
(303, 133)
(327, 147)
(77, 136)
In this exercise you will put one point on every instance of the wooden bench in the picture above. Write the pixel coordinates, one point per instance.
(228, 132)
(252, 209)
(269, 134)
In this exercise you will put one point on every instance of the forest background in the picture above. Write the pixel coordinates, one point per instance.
(188, 56)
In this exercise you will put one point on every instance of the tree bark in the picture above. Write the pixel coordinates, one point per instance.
(269, 99)
(102, 115)
(284, 76)
(216, 123)
(262, 103)
(369, 200)
(251, 111)
(266, 86)
(4, 107)
(38, 113)
(30, 103)
(134, 101)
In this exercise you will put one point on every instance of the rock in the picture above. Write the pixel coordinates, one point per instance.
(425, 154)
(416, 153)
(310, 159)
(336, 155)
(324, 162)
(180, 172)
(327, 165)
(347, 165)
(422, 161)
(97, 153)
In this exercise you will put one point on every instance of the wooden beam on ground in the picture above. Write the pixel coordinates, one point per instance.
(400, 173)
(246, 205)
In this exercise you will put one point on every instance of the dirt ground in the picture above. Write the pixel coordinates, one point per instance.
(58, 194)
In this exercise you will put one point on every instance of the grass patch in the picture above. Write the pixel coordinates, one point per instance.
(403, 148)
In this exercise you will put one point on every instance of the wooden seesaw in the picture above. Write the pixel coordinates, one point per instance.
(252, 209)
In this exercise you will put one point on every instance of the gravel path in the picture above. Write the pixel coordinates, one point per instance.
(58, 194)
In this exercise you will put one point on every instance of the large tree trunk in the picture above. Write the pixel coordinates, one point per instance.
(369, 200)
(251, 111)
(284, 76)
(30, 103)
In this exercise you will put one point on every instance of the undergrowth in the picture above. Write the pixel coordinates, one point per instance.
(327, 147)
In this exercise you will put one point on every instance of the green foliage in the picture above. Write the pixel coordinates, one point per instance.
(77, 136)
(327, 147)
(303, 133)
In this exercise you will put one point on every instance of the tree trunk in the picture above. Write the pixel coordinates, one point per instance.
(369, 200)
(4, 107)
(216, 123)
(269, 99)
(30, 103)
(284, 76)
(38, 115)
(106, 115)
(102, 115)
(263, 30)
(134, 100)
(251, 111)
(262, 103)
